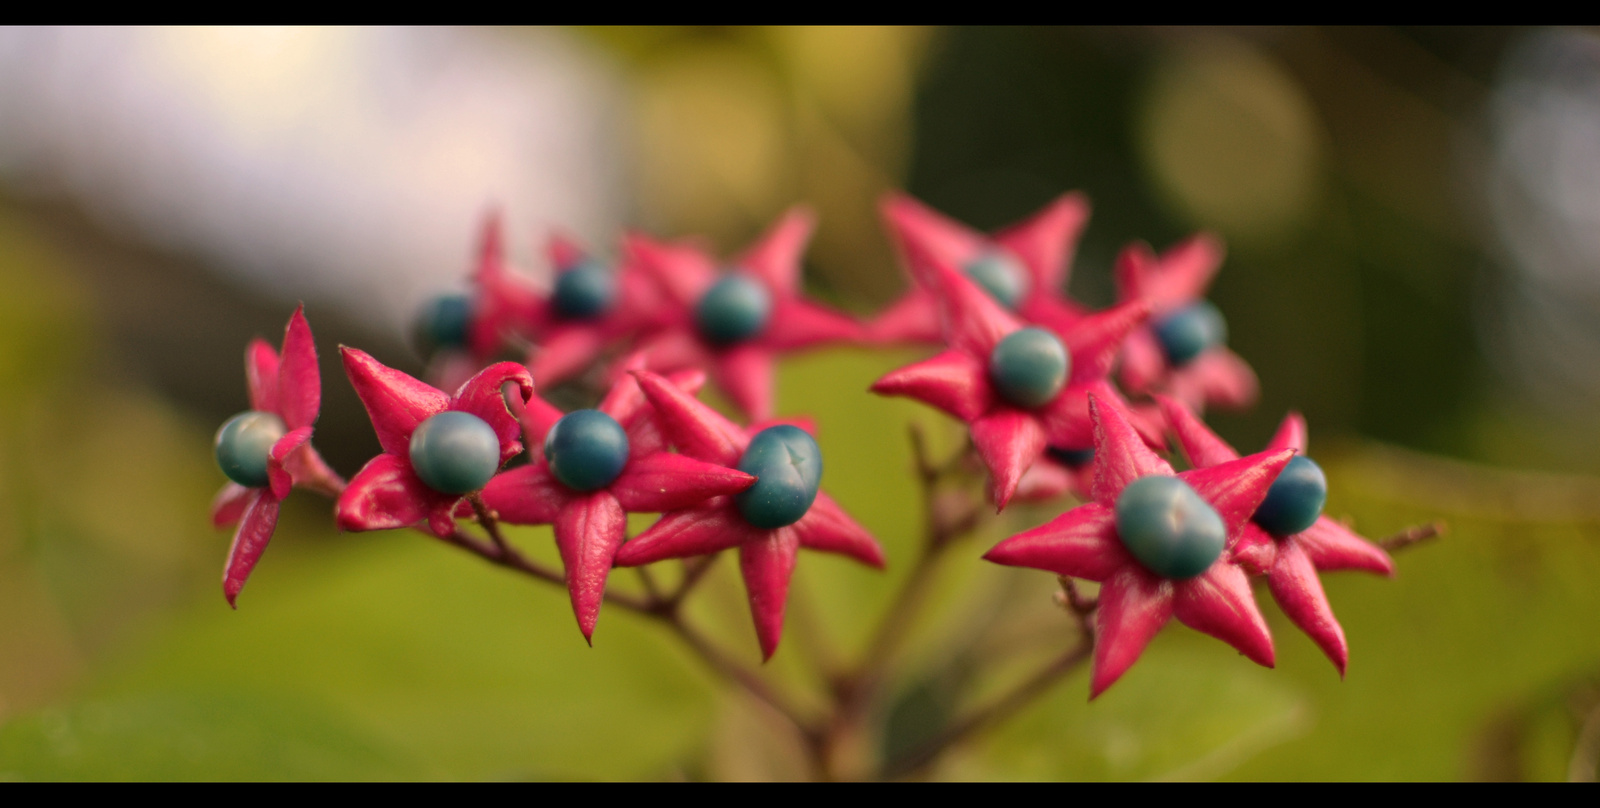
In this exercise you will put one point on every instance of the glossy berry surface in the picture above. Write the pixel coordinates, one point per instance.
(733, 310)
(1001, 276)
(243, 443)
(584, 292)
(443, 323)
(455, 452)
(1071, 458)
(586, 449)
(787, 465)
(1191, 331)
(1168, 527)
(1029, 367)
(1295, 499)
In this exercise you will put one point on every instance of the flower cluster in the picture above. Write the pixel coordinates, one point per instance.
(1060, 401)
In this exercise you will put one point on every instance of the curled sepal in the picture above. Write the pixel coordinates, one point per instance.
(484, 395)
(255, 531)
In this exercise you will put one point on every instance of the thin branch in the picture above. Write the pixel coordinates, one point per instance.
(650, 587)
(1413, 535)
(995, 712)
(739, 674)
(490, 522)
(694, 570)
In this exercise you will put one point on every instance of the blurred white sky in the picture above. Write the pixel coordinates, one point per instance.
(342, 165)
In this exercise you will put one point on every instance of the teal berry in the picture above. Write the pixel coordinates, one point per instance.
(455, 452)
(733, 310)
(1191, 331)
(243, 443)
(585, 291)
(1295, 499)
(586, 449)
(1168, 527)
(1029, 367)
(442, 323)
(1001, 276)
(1071, 458)
(788, 468)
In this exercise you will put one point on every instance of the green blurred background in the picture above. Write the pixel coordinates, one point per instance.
(1410, 215)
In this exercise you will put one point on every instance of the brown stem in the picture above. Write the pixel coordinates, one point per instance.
(728, 669)
(995, 712)
(1412, 535)
(694, 570)
(490, 522)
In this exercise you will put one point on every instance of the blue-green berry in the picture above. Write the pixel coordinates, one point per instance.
(1191, 331)
(1169, 528)
(1001, 276)
(1029, 367)
(243, 443)
(586, 449)
(455, 452)
(788, 468)
(1295, 499)
(1071, 458)
(442, 323)
(585, 291)
(733, 310)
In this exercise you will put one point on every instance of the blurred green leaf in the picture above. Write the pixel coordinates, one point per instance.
(221, 735)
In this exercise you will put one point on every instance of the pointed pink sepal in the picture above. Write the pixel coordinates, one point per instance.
(588, 532)
(767, 564)
(255, 531)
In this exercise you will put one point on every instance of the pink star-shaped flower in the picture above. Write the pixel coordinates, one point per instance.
(591, 525)
(766, 556)
(1042, 246)
(567, 346)
(743, 369)
(1290, 562)
(1010, 439)
(386, 492)
(291, 388)
(1134, 602)
(1172, 281)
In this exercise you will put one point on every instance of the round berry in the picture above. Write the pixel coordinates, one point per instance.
(586, 449)
(1168, 527)
(733, 310)
(584, 291)
(1029, 367)
(1071, 458)
(1295, 499)
(455, 452)
(442, 323)
(243, 443)
(788, 467)
(1191, 331)
(1001, 276)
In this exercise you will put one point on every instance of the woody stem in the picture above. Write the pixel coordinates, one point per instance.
(993, 713)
